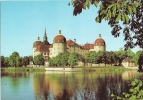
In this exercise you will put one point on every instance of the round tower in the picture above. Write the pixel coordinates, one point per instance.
(35, 45)
(99, 44)
(59, 45)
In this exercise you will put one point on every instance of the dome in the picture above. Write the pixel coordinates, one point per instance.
(59, 38)
(99, 41)
(37, 43)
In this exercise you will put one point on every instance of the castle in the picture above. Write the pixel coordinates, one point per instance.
(61, 45)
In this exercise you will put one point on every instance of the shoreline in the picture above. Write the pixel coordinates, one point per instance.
(66, 69)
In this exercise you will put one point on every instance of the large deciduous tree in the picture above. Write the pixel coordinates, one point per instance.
(25, 61)
(2, 61)
(73, 59)
(38, 60)
(136, 57)
(14, 59)
(124, 16)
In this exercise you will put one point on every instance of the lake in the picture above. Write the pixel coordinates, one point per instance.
(64, 85)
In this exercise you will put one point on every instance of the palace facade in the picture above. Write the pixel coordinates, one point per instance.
(61, 45)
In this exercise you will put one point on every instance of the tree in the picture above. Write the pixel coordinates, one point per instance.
(129, 12)
(14, 59)
(130, 53)
(136, 56)
(6, 62)
(135, 91)
(64, 59)
(121, 54)
(99, 57)
(30, 58)
(140, 62)
(72, 59)
(25, 61)
(38, 60)
(2, 61)
(111, 57)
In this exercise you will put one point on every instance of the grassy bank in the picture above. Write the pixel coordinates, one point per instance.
(105, 69)
(84, 69)
(23, 69)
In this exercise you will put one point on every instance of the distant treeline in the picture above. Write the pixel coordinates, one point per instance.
(70, 59)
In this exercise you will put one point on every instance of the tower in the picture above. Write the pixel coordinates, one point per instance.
(59, 45)
(45, 41)
(99, 44)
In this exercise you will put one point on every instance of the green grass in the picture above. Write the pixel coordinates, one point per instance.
(25, 69)
(84, 69)
(105, 69)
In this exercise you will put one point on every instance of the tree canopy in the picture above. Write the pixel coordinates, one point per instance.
(14, 59)
(124, 16)
(38, 60)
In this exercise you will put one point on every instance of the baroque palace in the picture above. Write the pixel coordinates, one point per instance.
(61, 45)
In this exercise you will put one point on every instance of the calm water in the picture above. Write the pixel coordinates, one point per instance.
(64, 85)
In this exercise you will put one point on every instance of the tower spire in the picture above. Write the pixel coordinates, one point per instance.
(45, 41)
(45, 31)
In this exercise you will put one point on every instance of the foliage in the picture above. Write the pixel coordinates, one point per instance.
(6, 61)
(60, 60)
(38, 60)
(140, 59)
(25, 61)
(90, 57)
(2, 61)
(30, 58)
(135, 91)
(73, 59)
(129, 12)
(136, 56)
(14, 59)
(111, 58)
(121, 54)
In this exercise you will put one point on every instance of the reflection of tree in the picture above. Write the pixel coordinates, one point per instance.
(41, 89)
(15, 78)
(65, 93)
(83, 86)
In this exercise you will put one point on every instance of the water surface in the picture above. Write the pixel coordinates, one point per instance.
(64, 85)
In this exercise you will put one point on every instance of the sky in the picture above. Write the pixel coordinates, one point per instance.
(23, 21)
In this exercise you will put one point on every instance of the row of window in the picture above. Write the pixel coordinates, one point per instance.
(44, 53)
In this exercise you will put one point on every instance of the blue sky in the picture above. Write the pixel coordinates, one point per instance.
(23, 21)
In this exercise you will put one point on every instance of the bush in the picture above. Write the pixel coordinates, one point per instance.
(135, 91)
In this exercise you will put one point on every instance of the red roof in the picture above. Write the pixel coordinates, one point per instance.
(36, 43)
(88, 46)
(43, 48)
(69, 42)
(60, 38)
(99, 42)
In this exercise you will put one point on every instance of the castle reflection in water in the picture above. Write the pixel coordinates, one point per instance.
(65, 85)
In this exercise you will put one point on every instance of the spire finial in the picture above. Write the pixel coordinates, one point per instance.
(38, 38)
(59, 31)
(100, 35)
(45, 30)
